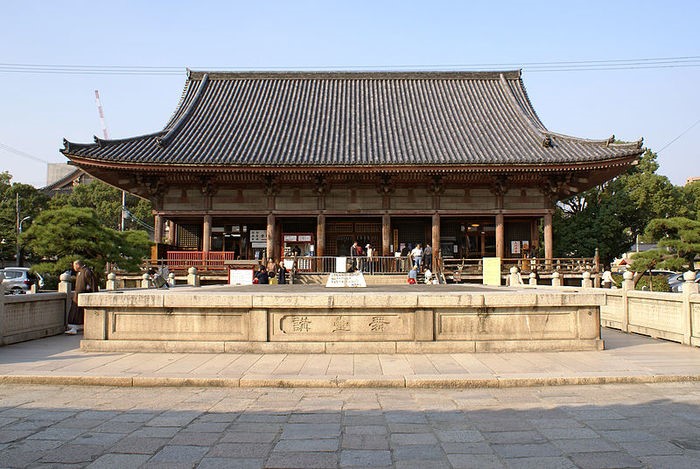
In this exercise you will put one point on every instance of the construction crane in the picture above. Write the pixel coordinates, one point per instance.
(105, 134)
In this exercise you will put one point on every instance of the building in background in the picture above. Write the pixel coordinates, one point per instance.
(263, 164)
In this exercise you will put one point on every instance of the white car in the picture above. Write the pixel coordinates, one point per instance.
(19, 280)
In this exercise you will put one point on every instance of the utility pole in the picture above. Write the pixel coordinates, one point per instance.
(18, 228)
(105, 134)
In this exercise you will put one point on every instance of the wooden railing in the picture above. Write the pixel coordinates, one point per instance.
(564, 265)
(214, 262)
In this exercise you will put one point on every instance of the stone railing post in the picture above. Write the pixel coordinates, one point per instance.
(689, 285)
(192, 277)
(171, 279)
(533, 279)
(514, 278)
(689, 288)
(586, 282)
(627, 286)
(145, 283)
(556, 279)
(111, 281)
(628, 282)
(64, 286)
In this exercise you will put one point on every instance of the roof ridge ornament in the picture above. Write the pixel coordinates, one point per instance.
(547, 141)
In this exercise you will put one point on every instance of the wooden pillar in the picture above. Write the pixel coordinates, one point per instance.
(435, 241)
(172, 235)
(271, 236)
(321, 235)
(548, 239)
(500, 236)
(157, 228)
(386, 235)
(206, 234)
(483, 243)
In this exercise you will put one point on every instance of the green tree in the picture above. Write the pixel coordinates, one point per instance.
(678, 239)
(598, 218)
(691, 199)
(31, 202)
(62, 235)
(107, 202)
(652, 195)
(612, 215)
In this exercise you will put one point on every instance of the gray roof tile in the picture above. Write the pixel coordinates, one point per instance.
(353, 119)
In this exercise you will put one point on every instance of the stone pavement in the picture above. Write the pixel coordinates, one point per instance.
(595, 426)
(627, 359)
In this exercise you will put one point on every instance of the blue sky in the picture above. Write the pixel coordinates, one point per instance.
(40, 109)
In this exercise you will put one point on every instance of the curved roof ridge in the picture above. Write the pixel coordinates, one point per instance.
(522, 86)
(101, 142)
(534, 125)
(349, 74)
(163, 141)
(605, 141)
(181, 102)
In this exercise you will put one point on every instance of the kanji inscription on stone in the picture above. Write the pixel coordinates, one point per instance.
(341, 324)
(301, 324)
(378, 323)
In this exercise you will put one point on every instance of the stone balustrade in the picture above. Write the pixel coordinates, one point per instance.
(669, 316)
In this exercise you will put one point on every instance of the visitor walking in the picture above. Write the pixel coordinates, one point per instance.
(607, 279)
(85, 282)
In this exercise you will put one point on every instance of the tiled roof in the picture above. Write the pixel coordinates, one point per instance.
(306, 119)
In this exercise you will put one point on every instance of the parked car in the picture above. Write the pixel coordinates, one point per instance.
(19, 280)
(664, 273)
(675, 282)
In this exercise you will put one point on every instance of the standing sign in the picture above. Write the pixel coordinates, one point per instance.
(492, 271)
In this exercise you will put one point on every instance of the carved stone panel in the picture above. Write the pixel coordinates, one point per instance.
(178, 325)
(341, 326)
(505, 323)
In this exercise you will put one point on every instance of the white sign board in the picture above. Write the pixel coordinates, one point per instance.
(346, 280)
(341, 264)
(240, 277)
(258, 238)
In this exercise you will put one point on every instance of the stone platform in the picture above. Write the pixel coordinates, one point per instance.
(313, 319)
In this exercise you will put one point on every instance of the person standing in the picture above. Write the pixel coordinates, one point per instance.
(281, 274)
(369, 264)
(85, 282)
(417, 255)
(428, 256)
(353, 255)
(262, 276)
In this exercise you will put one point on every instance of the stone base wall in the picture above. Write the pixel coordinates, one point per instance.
(27, 317)
(362, 321)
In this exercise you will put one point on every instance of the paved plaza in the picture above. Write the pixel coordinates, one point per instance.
(628, 358)
(625, 425)
(62, 407)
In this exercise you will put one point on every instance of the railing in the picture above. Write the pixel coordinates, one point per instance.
(461, 268)
(214, 262)
(370, 265)
(203, 261)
